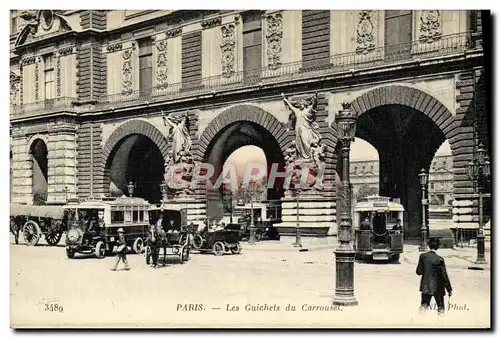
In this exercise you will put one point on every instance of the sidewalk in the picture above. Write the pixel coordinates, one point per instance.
(456, 258)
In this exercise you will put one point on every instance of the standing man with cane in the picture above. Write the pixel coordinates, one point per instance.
(434, 279)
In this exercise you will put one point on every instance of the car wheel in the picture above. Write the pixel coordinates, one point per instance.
(138, 245)
(100, 249)
(218, 248)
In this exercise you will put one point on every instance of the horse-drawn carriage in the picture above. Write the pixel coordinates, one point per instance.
(221, 241)
(168, 230)
(37, 220)
(93, 225)
(378, 234)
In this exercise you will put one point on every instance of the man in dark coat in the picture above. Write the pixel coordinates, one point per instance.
(434, 279)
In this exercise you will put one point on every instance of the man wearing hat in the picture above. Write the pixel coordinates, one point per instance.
(434, 279)
(122, 250)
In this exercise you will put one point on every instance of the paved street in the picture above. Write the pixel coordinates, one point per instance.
(267, 273)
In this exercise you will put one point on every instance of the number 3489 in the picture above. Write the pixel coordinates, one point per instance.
(53, 308)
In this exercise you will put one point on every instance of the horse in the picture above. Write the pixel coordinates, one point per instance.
(157, 239)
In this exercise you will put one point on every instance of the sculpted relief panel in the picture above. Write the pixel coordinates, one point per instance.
(228, 46)
(127, 71)
(161, 64)
(274, 36)
(430, 26)
(366, 32)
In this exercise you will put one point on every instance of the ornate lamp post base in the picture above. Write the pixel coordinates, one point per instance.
(251, 240)
(344, 274)
(480, 249)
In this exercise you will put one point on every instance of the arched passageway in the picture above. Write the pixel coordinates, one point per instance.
(39, 160)
(234, 128)
(136, 159)
(406, 126)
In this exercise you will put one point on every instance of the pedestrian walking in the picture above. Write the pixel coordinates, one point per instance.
(122, 250)
(434, 281)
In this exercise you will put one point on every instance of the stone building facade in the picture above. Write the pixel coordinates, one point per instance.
(89, 89)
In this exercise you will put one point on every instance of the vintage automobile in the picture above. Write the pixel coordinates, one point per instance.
(265, 216)
(175, 234)
(218, 241)
(381, 240)
(37, 220)
(93, 225)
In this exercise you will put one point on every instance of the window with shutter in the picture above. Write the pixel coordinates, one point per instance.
(145, 65)
(252, 46)
(398, 32)
(49, 77)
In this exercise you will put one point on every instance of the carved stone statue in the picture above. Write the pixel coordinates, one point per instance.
(180, 153)
(179, 133)
(304, 125)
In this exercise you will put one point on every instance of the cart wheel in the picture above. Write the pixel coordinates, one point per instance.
(53, 238)
(218, 248)
(31, 233)
(197, 242)
(70, 253)
(100, 249)
(258, 236)
(138, 245)
(395, 258)
(236, 249)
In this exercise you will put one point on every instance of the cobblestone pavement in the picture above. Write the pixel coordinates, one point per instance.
(266, 273)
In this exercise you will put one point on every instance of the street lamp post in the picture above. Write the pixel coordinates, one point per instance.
(130, 187)
(251, 240)
(346, 120)
(231, 206)
(423, 230)
(298, 242)
(479, 171)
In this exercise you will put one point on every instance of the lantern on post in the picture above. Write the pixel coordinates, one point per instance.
(423, 176)
(130, 188)
(346, 120)
(479, 170)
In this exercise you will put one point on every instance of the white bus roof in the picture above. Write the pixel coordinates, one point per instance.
(105, 203)
(167, 206)
(378, 203)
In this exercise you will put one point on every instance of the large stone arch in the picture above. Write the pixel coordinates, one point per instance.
(400, 168)
(410, 97)
(132, 127)
(243, 112)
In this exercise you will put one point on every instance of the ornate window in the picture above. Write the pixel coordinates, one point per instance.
(49, 76)
(145, 64)
(398, 32)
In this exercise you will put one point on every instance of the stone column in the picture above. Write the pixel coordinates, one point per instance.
(21, 170)
(62, 164)
(316, 215)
